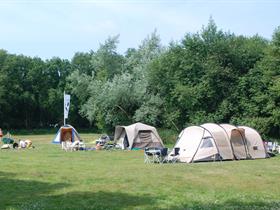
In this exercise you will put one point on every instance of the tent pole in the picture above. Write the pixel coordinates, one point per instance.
(220, 157)
(198, 147)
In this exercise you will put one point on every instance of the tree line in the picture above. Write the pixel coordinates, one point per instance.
(208, 76)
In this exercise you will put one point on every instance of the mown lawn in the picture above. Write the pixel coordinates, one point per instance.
(48, 178)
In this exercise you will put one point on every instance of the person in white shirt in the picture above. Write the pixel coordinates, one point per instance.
(25, 144)
(22, 144)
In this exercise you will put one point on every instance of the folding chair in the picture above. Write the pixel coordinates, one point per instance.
(156, 155)
(148, 156)
(175, 155)
(163, 155)
(152, 155)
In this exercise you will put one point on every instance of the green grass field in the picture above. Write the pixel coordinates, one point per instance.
(48, 178)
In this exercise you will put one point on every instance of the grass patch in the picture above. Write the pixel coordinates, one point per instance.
(48, 178)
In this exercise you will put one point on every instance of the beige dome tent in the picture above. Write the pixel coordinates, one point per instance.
(210, 142)
(137, 135)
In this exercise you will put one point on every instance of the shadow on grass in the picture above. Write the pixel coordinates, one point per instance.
(95, 200)
(28, 194)
(14, 192)
(229, 204)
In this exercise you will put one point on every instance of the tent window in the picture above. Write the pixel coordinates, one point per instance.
(145, 136)
(207, 142)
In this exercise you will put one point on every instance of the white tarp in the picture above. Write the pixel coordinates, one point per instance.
(66, 105)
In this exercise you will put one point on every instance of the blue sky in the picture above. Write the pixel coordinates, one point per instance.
(48, 28)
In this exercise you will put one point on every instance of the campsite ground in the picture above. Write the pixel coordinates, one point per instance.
(48, 178)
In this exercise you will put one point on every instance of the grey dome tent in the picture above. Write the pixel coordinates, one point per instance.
(137, 135)
(210, 142)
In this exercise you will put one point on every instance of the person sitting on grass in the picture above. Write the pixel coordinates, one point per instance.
(25, 144)
(22, 144)
(28, 144)
(98, 146)
(15, 145)
(75, 145)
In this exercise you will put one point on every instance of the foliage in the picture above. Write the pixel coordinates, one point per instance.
(124, 96)
(208, 76)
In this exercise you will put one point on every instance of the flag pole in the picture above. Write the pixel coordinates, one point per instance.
(64, 108)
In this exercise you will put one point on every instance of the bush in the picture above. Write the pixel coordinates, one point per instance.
(168, 136)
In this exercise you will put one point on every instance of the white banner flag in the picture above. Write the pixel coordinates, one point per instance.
(66, 105)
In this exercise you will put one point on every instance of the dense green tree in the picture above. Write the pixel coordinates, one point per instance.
(201, 75)
(116, 100)
(208, 76)
(260, 92)
(106, 62)
(82, 63)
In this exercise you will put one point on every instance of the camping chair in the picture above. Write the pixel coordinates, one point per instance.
(175, 155)
(152, 155)
(110, 145)
(147, 156)
(163, 155)
(104, 138)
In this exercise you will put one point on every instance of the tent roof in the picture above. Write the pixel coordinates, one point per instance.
(137, 127)
(221, 139)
